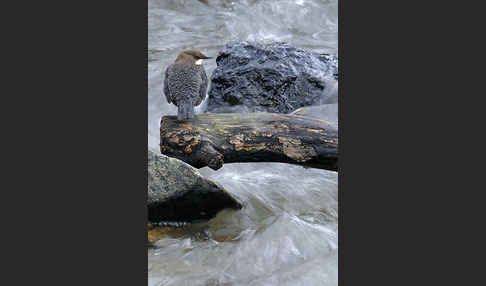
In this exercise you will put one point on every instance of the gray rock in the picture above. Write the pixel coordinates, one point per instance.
(273, 78)
(177, 192)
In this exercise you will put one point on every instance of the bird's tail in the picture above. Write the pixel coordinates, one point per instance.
(185, 110)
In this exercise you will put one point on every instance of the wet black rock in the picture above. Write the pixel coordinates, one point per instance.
(177, 192)
(273, 78)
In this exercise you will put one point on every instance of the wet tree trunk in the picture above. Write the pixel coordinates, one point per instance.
(213, 139)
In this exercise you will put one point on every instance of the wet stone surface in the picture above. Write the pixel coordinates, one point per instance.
(275, 78)
(178, 193)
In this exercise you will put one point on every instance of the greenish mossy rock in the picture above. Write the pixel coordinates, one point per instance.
(176, 191)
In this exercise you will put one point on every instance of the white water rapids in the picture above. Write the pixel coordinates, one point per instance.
(286, 233)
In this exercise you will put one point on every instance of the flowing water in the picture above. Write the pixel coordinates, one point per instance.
(286, 233)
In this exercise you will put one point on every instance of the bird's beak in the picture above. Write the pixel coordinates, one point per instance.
(207, 58)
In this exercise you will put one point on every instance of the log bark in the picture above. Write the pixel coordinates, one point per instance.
(214, 139)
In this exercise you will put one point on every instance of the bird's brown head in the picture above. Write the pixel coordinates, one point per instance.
(191, 56)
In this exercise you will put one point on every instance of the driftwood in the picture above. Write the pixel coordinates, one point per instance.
(213, 139)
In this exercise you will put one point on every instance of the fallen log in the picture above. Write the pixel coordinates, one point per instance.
(212, 139)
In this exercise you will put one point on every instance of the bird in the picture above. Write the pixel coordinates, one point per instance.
(185, 82)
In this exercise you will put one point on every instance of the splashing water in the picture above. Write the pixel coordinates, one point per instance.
(286, 233)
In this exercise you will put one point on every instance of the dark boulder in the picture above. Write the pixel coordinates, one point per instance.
(177, 192)
(276, 78)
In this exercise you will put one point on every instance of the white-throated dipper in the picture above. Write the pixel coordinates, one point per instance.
(185, 83)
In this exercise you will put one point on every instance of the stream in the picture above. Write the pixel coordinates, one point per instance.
(287, 231)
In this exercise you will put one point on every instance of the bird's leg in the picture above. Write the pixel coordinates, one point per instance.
(191, 111)
(185, 110)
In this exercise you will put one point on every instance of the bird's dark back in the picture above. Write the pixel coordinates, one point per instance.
(184, 82)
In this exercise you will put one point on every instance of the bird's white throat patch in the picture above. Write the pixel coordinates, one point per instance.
(199, 62)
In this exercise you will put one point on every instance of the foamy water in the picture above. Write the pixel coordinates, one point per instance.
(286, 233)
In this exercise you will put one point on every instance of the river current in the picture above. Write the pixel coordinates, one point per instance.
(287, 231)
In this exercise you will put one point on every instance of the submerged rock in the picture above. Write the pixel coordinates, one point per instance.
(275, 78)
(177, 192)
